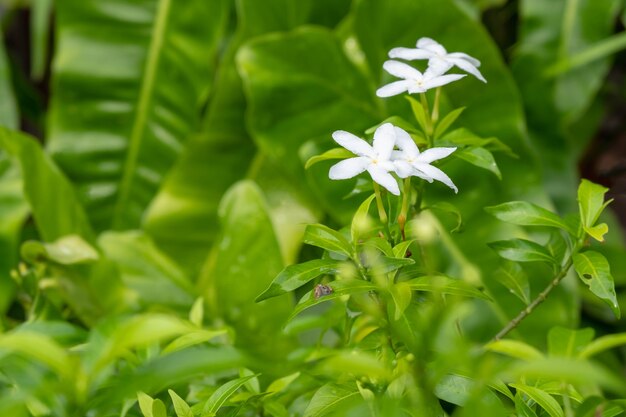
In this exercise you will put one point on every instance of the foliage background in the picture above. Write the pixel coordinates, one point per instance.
(171, 138)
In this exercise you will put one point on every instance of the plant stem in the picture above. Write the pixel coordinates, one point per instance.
(435, 113)
(429, 120)
(540, 298)
(405, 206)
(379, 203)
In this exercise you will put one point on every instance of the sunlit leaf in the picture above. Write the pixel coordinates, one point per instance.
(546, 401)
(524, 213)
(222, 394)
(594, 270)
(521, 250)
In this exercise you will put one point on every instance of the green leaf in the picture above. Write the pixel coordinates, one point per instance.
(40, 348)
(54, 205)
(594, 270)
(180, 406)
(447, 121)
(417, 136)
(601, 344)
(479, 157)
(454, 389)
(446, 285)
(9, 116)
(402, 293)
(514, 349)
(464, 137)
(40, 22)
(282, 383)
(361, 222)
(522, 408)
(419, 112)
(222, 394)
(591, 204)
(127, 99)
(513, 277)
(335, 153)
(567, 342)
(196, 314)
(295, 276)
(340, 288)
(545, 400)
(326, 238)
(354, 363)
(67, 250)
(524, 213)
(449, 208)
(399, 251)
(145, 404)
(153, 277)
(158, 409)
(331, 398)
(521, 250)
(192, 338)
(385, 265)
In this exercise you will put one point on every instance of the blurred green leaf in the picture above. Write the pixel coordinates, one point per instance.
(524, 213)
(446, 285)
(222, 394)
(41, 348)
(513, 277)
(361, 221)
(419, 113)
(521, 250)
(295, 276)
(515, 349)
(326, 238)
(67, 250)
(594, 270)
(401, 293)
(568, 342)
(601, 344)
(192, 338)
(9, 116)
(542, 398)
(446, 122)
(330, 398)
(479, 157)
(180, 406)
(196, 314)
(51, 197)
(145, 403)
(158, 409)
(128, 90)
(40, 23)
(335, 153)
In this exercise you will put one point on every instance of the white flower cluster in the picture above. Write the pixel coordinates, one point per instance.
(439, 62)
(382, 158)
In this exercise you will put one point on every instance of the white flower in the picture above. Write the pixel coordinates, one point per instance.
(439, 60)
(413, 80)
(409, 161)
(376, 159)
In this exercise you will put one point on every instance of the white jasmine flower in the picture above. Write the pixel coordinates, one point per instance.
(439, 60)
(413, 80)
(375, 159)
(409, 161)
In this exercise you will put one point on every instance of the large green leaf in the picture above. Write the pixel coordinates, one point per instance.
(331, 399)
(54, 205)
(128, 82)
(8, 107)
(242, 264)
(594, 270)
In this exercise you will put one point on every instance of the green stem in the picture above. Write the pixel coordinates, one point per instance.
(429, 120)
(382, 214)
(435, 113)
(405, 206)
(538, 300)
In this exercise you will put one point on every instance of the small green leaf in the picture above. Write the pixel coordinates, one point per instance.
(326, 238)
(513, 277)
(360, 221)
(222, 394)
(158, 409)
(181, 408)
(479, 157)
(464, 137)
(192, 338)
(295, 276)
(545, 400)
(145, 404)
(401, 293)
(454, 389)
(384, 264)
(253, 384)
(330, 398)
(196, 314)
(524, 213)
(282, 383)
(514, 349)
(335, 153)
(447, 121)
(445, 285)
(603, 343)
(591, 204)
(340, 288)
(449, 208)
(568, 342)
(356, 363)
(67, 250)
(417, 136)
(521, 250)
(399, 251)
(593, 269)
(39, 347)
(418, 112)
(522, 408)
(378, 243)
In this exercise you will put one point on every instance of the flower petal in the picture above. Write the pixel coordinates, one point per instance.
(468, 67)
(403, 168)
(436, 67)
(394, 88)
(410, 54)
(465, 57)
(405, 143)
(402, 70)
(425, 41)
(436, 174)
(384, 141)
(384, 178)
(441, 80)
(434, 154)
(348, 168)
(353, 143)
(431, 45)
